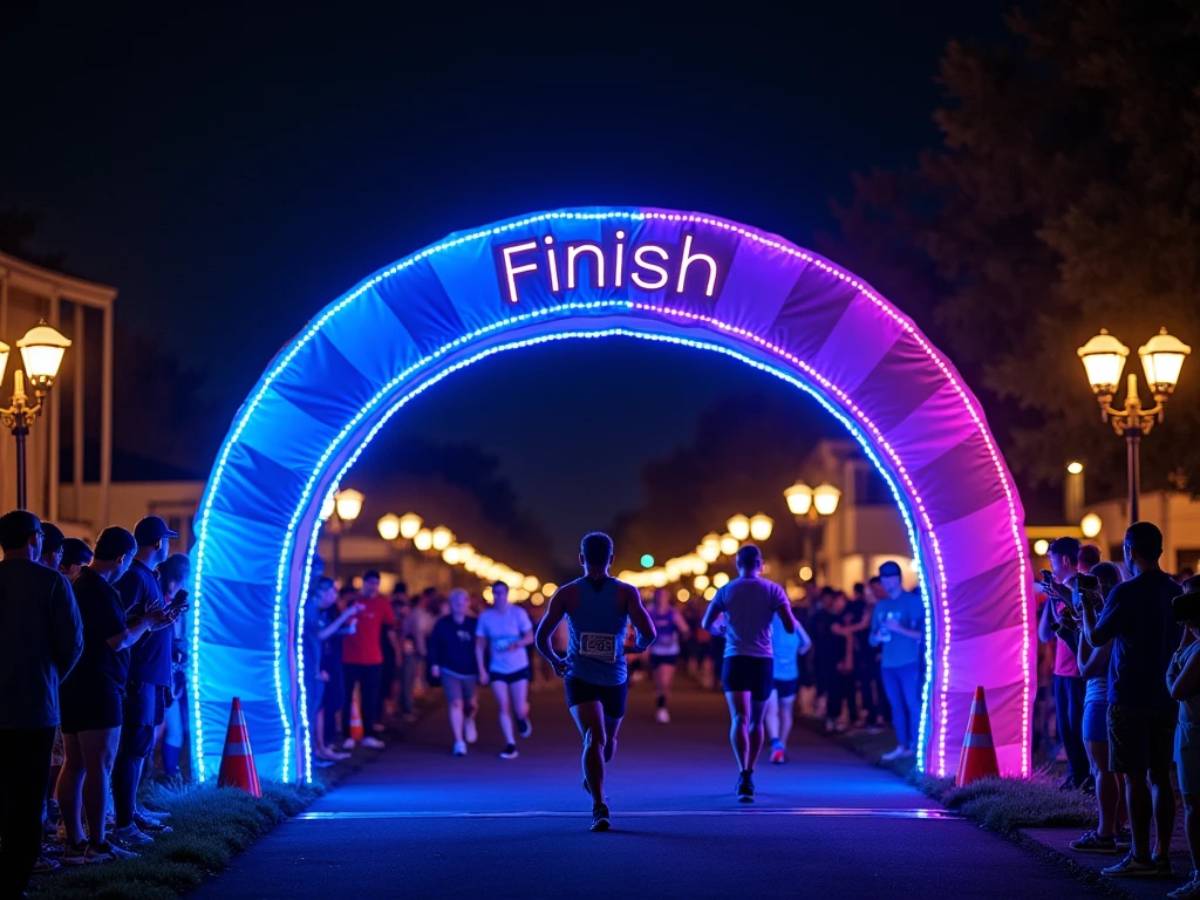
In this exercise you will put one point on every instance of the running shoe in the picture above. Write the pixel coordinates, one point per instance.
(745, 788)
(893, 754)
(1092, 842)
(460, 748)
(662, 716)
(75, 854)
(348, 744)
(131, 836)
(151, 824)
(470, 732)
(1188, 890)
(45, 863)
(509, 752)
(1124, 838)
(373, 743)
(1130, 867)
(600, 817)
(320, 762)
(108, 852)
(524, 727)
(778, 757)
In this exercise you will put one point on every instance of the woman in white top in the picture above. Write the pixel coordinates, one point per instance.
(504, 632)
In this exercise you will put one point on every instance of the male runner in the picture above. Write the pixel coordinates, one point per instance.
(598, 609)
(748, 603)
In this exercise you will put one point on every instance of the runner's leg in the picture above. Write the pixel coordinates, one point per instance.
(504, 701)
(519, 691)
(787, 708)
(611, 727)
(739, 726)
(772, 716)
(756, 732)
(589, 719)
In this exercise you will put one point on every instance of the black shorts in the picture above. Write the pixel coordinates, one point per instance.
(137, 727)
(611, 697)
(1140, 740)
(755, 674)
(524, 674)
(787, 688)
(89, 707)
(665, 659)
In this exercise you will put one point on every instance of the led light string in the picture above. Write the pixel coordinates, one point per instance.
(285, 360)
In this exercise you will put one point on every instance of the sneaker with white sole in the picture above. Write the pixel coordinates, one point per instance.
(1092, 842)
(75, 854)
(662, 716)
(509, 752)
(108, 852)
(130, 836)
(373, 743)
(151, 825)
(349, 744)
(470, 732)
(601, 817)
(460, 748)
(45, 864)
(1131, 867)
(1189, 890)
(893, 754)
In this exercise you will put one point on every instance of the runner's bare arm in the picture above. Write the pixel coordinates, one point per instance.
(788, 618)
(640, 619)
(715, 607)
(681, 624)
(545, 632)
(480, 646)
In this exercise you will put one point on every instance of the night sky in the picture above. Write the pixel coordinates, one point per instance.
(231, 172)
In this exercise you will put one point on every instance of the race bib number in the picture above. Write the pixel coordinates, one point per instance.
(598, 646)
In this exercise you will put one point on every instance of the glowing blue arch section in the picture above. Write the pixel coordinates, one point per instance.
(658, 275)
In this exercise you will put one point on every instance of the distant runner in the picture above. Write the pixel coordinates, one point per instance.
(787, 648)
(664, 652)
(748, 604)
(598, 609)
(505, 630)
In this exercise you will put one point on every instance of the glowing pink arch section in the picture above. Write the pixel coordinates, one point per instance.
(686, 278)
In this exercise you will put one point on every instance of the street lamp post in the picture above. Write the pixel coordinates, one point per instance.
(340, 515)
(42, 349)
(810, 506)
(1103, 359)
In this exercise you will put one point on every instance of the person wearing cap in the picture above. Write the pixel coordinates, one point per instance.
(898, 626)
(75, 555)
(148, 681)
(93, 696)
(41, 637)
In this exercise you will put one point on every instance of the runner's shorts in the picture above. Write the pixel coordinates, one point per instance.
(665, 659)
(458, 687)
(611, 697)
(749, 673)
(787, 687)
(524, 674)
(89, 707)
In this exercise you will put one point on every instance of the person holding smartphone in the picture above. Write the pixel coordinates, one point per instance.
(1183, 683)
(173, 573)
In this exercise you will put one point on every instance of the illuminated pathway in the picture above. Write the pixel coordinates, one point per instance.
(417, 822)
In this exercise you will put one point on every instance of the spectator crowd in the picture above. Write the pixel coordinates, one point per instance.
(93, 663)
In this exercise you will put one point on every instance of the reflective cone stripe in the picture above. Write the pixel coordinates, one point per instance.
(978, 759)
(356, 722)
(237, 762)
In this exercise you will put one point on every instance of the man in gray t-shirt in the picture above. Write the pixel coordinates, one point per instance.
(746, 607)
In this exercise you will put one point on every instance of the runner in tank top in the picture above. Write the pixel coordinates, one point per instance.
(597, 608)
(664, 652)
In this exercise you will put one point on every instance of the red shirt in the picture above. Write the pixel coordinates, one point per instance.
(363, 647)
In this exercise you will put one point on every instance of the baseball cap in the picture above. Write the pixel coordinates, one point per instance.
(890, 568)
(113, 543)
(152, 529)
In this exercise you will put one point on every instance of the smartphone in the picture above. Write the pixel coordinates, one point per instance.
(181, 598)
(1087, 582)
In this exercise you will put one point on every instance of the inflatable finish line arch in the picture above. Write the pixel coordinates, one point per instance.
(659, 275)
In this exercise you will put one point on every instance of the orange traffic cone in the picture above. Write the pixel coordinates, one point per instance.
(978, 758)
(237, 762)
(356, 723)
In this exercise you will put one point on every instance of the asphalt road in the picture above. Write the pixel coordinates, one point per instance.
(418, 822)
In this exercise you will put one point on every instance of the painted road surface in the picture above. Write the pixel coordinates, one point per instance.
(417, 822)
